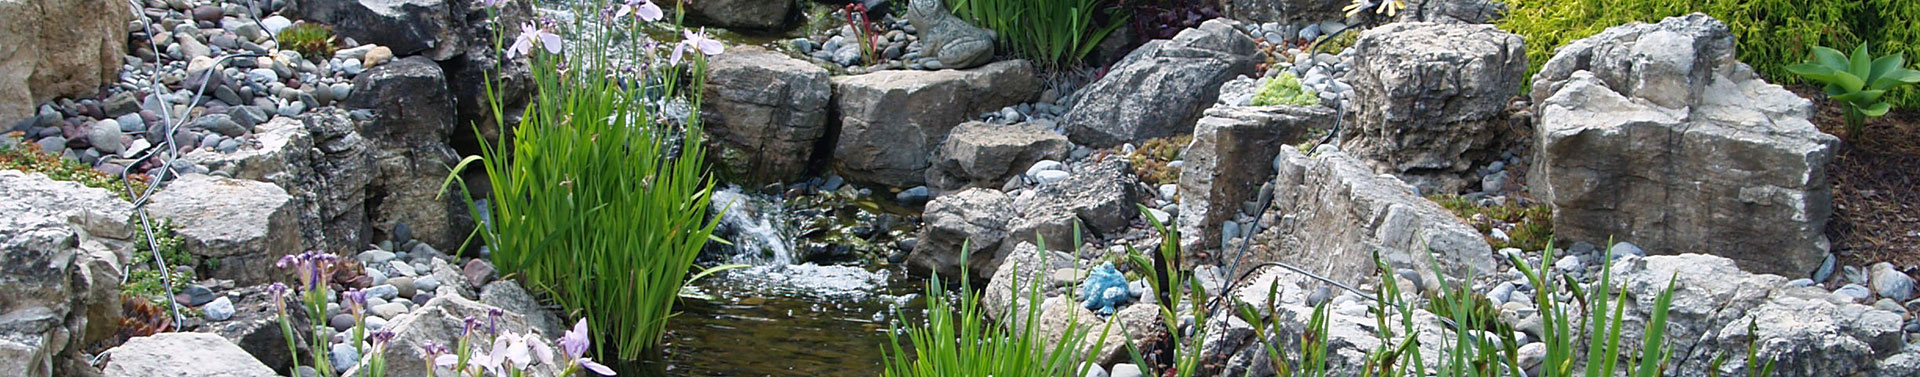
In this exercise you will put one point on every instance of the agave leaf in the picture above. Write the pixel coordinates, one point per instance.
(1830, 58)
(1876, 109)
(1860, 97)
(1815, 72)
(1896, 79)
(1861, 63)
(1849, 81)
(1886, 65)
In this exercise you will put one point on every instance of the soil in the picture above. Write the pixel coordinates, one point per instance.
(1876, 186)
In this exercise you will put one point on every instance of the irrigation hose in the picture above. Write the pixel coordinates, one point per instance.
(172, 150)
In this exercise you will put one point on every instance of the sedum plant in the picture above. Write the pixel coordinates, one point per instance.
(1285, 89)
(1859, 82)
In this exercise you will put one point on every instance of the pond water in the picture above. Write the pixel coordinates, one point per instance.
(781, 316)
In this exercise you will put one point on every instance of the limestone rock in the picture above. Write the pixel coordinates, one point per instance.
(255, 328)
(508, 295)
(1259, 11)
(954, 42)
(891, 120)
(739, 14)
(58, 48)
(1453, 11)
(182, 354)
(1161, 88)
(767, 108)
(59, 283)
(440, 321)
(246, 225)
(1012, 288)
(413, 116)
(1804, 331)
(1330, 213)
(1432, 98)
(1654, 134)
(1100, 194)
(986, 155)
(1230, 157)
(280, 156)
(974, 218)
(344, 163)
(437, 29)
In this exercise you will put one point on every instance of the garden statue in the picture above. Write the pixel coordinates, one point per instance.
(950, 40)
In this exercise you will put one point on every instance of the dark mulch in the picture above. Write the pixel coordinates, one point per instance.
(1876, 186)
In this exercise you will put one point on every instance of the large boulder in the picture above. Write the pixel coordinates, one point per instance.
(255, 328)
(1802, 329)
(1260, 11)
(969, 224)
(988, 155)
(441, 321)
(1432, 99)
(1161, 88)
(1330, 214)
(891, 120)
(60, 275)
(1453, 11)
(58, 48)
(1653, 134)
(413, 114)
(344, 163)
(437, 29)
(182, 354)
(1100, 194)
(765, 112)
(1230, 157)
(741, 14)
(245, 225)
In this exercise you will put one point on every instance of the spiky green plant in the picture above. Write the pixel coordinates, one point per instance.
(311, 40)
(597, 201)
(1859, 82)
(958, 342)
(1054, 33)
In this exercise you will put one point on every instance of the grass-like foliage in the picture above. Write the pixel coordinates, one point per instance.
(957, 341)
(311, 40)
(1859, 81)
(1600, 328)
(1773, 34)
(1171, 283)
(597, 201)
(1053, 33)
(1285, 89)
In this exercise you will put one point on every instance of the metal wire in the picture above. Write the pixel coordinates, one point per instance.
(169, 146)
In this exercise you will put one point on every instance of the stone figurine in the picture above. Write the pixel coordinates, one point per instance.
(952, 41)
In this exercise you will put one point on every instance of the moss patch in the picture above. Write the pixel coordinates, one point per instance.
(1527, 227)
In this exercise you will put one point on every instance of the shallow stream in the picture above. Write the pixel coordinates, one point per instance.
(781, 316)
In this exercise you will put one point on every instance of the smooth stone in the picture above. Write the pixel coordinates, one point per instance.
(389, 310)
(1051, 176)
(220, 309)
(197, 295)
(383, 291)
(343, 356)
(1624, 249)
(341, 322)
(403, 284)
